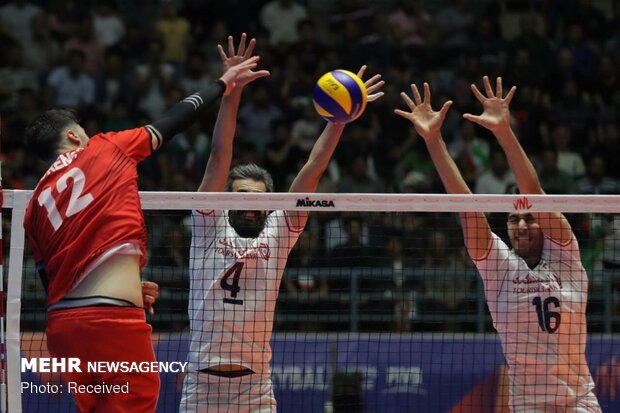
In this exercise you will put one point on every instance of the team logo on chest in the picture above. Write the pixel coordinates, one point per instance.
(264, 251)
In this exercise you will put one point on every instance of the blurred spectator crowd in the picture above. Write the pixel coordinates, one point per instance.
(120, 64)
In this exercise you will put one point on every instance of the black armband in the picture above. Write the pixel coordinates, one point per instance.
(183, 114)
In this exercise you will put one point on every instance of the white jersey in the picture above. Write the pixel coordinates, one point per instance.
(234, 285)
(540, 317)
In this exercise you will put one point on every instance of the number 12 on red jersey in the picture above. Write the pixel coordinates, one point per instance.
(77, 201)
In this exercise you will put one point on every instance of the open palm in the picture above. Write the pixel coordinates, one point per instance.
(427, 121)
(496, 112)
(234, 58)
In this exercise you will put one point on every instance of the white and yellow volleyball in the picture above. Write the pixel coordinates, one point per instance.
(340, 96)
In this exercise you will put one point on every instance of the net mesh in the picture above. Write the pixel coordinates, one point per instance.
(371, 310)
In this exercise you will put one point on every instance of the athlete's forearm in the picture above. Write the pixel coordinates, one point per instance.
(226, 122)
(218, 165)
(187, 111)
(325, 145)
(520, 164)
(308, 178)
(446, 168)
(476, 230)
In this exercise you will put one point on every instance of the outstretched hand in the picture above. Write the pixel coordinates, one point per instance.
(427, 122)
(372, 85)
(237, 65)
(496, 114)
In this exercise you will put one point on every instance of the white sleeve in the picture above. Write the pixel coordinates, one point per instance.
(568, 259)
(279, 226)
(206, 225)
(494, 268)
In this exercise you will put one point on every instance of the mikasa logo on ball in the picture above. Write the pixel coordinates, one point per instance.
(321, 203)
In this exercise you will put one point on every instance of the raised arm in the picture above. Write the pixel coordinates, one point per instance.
(310, 174)
(427, 122)
(218, 165)
(187, 111)
(496, 118)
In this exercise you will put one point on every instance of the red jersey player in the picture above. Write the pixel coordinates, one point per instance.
(85, 227)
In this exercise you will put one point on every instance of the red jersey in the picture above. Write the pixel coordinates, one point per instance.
(85, 204)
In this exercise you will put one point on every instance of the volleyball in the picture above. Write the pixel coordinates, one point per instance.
(339, 96)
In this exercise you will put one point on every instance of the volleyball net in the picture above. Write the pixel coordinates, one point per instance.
(379, 309)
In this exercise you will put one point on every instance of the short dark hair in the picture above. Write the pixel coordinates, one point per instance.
(43, 135)
(249, 171)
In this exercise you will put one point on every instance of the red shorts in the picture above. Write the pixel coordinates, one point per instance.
(106, 334)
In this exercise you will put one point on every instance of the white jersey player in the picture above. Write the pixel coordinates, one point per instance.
(236, 265)
(234, 284)
(539, 314)
(536, 292)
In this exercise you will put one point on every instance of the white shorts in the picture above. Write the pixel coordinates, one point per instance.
(206, 393)
(586, 404)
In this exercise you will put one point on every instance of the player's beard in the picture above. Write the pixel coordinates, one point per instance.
(246, 227)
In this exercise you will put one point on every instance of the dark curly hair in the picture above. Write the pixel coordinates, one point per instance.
(44, 133)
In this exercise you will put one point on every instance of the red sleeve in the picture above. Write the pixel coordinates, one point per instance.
(135, 143)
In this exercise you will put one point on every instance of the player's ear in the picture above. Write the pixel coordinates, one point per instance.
(77, 136)
(73, 137)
